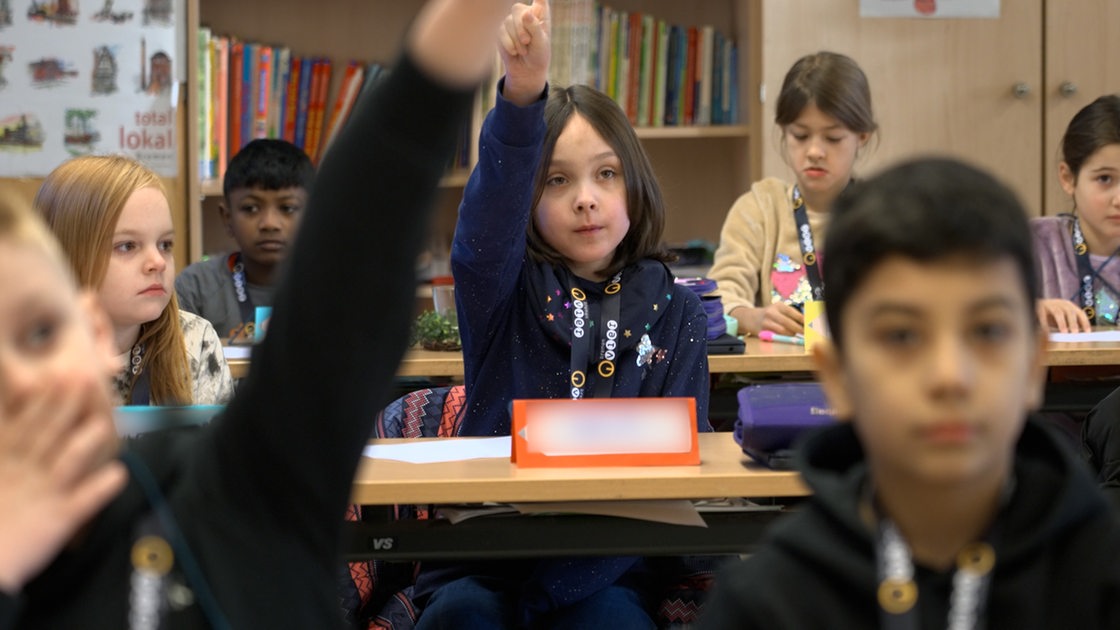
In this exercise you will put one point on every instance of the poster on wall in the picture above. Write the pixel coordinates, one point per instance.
(82, 77)
(929, 8)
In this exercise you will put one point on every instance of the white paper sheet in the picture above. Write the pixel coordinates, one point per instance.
(432, 451)
(1096, 335)
(237, 352)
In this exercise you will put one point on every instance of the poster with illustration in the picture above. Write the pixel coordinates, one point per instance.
(929, 8)
(89, 76)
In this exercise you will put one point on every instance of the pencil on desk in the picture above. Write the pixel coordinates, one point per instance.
(769, 335)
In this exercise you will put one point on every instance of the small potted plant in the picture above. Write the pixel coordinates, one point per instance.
(435, 332)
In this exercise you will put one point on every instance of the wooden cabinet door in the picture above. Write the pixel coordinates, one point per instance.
(1082, 63)
(938, 86)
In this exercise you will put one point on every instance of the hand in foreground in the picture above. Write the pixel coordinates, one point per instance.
(1063, 315)
(453, 40)
(54, 476)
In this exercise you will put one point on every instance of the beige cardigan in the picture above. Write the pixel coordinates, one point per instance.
(759, 227)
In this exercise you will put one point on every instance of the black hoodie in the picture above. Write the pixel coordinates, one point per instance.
(1057, 557)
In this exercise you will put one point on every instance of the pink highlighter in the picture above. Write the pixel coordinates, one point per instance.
(769, 335)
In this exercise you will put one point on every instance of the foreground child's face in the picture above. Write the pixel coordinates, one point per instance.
(49, 339)
(137, 283)
(582, 212)
(940, 365)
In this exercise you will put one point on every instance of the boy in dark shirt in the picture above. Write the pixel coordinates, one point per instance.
(939, 503)
(264, 192)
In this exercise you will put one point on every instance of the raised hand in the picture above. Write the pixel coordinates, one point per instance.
(524, 41)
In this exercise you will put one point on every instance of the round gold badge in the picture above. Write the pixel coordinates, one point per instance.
(606, 368)
(578, 294)
(578, 378)
(897, 596)
(152, 553)
(977, 558)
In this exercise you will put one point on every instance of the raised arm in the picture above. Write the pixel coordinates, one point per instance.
(489, 247)
(293, 434)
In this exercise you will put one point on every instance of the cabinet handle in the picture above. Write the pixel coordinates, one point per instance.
(1020, 90)
(1067, 88)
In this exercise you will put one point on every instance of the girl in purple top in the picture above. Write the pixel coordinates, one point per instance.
(1077, 252)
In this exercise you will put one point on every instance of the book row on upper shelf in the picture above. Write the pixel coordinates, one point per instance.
(661, 74)
(251, 90)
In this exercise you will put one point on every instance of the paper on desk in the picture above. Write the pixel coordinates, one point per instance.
(672, 511)
(1096, 335)
(433, 451)
(237, 352)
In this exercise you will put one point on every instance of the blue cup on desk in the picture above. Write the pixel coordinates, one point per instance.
(260, 326)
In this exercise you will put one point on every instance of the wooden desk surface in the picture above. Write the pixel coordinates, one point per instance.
(724, 471)
(760, 357)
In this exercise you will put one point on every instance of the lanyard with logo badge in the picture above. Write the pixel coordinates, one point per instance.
(241, 290)
(581, 339)
(1086, 273)
(808, 250)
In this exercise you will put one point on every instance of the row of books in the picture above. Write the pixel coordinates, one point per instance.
(251, 90)
(661, 74)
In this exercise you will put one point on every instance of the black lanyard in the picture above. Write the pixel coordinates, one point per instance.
(1086, 273)
(161, 546)
(608, 339)
(241, 290)
(808, 250)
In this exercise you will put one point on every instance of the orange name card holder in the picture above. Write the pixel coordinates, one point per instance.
(555, 433)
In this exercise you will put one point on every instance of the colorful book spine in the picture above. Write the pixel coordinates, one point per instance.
(304, 102)
(221, 106)
(634, 66)
(205, 101)
(646, 72)
(673, 81)
(291, 103)
(317, 109)
(660, 75)
(249, 79)
(236, 83)
(262, 97)
(704, 75)
(281, 69)
(347, 94)
(718, 43)
(689, 78)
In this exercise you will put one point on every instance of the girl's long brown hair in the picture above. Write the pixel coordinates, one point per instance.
(81, 201)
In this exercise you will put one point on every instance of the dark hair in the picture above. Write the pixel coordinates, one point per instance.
(835, 84)
(268, 164)
(1096, 125)
(644, 204)
(926, 210)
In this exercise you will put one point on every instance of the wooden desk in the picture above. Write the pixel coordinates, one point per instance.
(724, 471)
(760, 357)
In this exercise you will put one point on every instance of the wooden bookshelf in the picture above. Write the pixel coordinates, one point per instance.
(703, 169)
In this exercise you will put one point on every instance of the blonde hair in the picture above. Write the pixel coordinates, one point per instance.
(81, 201)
